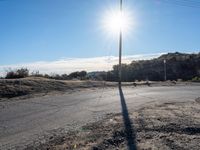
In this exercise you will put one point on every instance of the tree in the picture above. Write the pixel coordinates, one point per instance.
(19, 73)
(178, 66)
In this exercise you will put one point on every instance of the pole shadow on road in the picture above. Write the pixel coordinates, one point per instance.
(129, 130)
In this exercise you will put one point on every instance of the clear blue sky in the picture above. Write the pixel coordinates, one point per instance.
(46, 30)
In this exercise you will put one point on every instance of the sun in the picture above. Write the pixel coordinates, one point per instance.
(115, 21)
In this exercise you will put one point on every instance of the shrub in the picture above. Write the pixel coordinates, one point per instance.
(36, 74)
(19, 73)
(196, 79)
(78, 75)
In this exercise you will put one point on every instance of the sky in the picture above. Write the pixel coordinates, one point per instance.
(33, 31)
(66, 66)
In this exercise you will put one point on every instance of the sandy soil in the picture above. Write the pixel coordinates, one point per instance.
(155, 126)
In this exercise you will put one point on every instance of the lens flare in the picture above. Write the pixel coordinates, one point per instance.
(115, 21)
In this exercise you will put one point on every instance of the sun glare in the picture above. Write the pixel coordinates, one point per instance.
(115, 21)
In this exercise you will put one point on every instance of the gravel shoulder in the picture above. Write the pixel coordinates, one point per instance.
(173, 125)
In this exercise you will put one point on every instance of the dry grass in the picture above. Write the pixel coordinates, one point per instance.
(19, 87)
(32, 86)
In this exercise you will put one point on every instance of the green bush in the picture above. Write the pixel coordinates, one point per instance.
(196, 79)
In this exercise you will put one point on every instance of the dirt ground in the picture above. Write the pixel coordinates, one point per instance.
(32, 86)
(153, 127)
(37, 86)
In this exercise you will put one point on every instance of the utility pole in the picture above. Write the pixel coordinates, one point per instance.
(120, 47)
(165, 73)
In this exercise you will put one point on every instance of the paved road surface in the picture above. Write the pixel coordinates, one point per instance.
(27, 121)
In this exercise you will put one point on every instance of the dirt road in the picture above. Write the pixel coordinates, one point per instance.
(35, 120)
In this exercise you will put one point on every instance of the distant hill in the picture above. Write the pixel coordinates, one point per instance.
(178, 66)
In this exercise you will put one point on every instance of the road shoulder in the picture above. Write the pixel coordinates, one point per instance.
(172, 125)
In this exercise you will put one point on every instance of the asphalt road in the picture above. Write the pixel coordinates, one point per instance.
(32, 120)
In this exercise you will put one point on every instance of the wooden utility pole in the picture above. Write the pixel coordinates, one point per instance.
(165, 72)
(120, 47)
